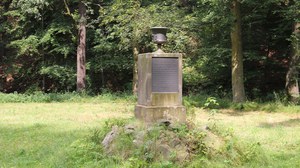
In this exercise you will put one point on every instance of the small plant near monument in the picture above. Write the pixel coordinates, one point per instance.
(190, 108)
(213, 105)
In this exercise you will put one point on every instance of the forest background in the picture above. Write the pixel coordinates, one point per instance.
(39, 40)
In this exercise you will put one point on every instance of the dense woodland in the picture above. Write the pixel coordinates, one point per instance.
(246, 47)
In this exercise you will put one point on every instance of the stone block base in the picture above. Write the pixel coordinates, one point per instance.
(149, 114)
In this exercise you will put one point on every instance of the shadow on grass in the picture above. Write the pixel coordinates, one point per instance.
(235, 113)
(288, 123)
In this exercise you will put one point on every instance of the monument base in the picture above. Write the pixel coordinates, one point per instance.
(149, 114)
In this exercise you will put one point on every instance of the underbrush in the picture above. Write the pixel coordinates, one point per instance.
(267, 107)
(277, 104)
(190, 101)
(40, 97)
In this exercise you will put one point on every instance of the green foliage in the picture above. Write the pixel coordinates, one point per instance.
(38, 36)
(114, 122)
(205, 100)
(40, 97)
(125, 26)
(31, 7)
(37, 97)
(211, 103)
(276, 102)
(54, 38)
(27, 46)
(64, 76)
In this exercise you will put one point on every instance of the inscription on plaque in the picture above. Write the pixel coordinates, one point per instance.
(165, 74)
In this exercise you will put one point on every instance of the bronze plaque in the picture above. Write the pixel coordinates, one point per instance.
(165, 74)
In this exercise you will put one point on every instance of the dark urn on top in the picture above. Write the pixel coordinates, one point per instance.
(159, 35)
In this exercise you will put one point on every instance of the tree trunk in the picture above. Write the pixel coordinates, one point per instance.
(1, 48)
(237, 55)
(291, 85)
(81, 70)
(135, 71)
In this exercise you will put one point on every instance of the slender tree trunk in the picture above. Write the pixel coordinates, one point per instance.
(81, 70)
(238, 90)
(291, 85)
(1, 47)
(135, 70)
(1, 57)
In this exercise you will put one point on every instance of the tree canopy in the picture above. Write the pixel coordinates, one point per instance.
(38, 41)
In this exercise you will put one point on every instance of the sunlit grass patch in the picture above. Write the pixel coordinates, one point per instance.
(38, 134)
(47, 134)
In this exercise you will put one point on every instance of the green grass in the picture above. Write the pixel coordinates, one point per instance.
(39, 134)
(39, 97)
(274, 105)
(34, 133)
(278, 134)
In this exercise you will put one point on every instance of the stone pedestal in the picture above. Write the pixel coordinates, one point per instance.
(151, 114)
(160, 87)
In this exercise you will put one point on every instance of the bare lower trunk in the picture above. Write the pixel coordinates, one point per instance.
(81, 70)
(1, 48)
(291, 85)
(135, 71)
(238, 90)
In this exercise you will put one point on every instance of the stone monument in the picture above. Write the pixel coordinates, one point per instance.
(160, 84)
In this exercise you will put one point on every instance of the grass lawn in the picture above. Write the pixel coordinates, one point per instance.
(39, 134)
(277, 133)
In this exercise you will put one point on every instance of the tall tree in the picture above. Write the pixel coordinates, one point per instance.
(81, 69)
(292, 86)
(135, 70)
(237, 55)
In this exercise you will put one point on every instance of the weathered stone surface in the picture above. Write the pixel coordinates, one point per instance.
(139, 138)
(159, 101)
(129, 129)
(175, 142)
(110, 137)
(170, 147)
(164, 150)
(166, 99)
(181, 153)
(150, 114)
(146, 96)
